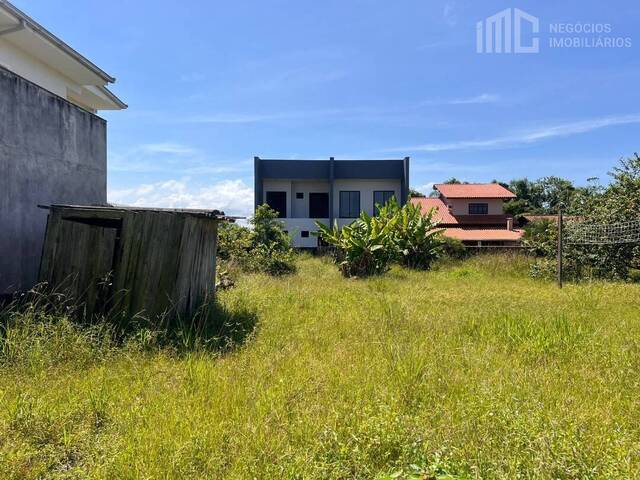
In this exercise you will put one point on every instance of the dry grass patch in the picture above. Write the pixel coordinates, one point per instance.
(472, 370)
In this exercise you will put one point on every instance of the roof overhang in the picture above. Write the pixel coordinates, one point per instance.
(484, 234)
(25, 33)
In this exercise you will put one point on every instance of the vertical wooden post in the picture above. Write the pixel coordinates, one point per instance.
(560, 233)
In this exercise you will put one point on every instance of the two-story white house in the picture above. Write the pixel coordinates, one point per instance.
(303, 191)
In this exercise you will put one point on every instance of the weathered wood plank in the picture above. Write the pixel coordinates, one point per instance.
(159, 260)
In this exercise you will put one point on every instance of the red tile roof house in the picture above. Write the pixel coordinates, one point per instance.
(473, 213)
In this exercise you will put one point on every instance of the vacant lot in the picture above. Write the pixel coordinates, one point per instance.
(472, 370)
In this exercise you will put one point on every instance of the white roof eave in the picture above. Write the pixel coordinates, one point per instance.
(45, 46)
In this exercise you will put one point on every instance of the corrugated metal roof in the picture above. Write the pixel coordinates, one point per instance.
(217, 214)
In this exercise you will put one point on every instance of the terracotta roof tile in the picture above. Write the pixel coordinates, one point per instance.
(441, 214)
(445, 217)
(484, 234)
(474, 190)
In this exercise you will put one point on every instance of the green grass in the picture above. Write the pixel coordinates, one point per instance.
(472, 370)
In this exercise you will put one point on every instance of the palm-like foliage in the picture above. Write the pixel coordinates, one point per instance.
(417, 239)
(369, 244)
(365, 247)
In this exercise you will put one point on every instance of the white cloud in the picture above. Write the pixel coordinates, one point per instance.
(447, 167)
(234, 197)
(232, 118)
(169, 148)
(426, 189)
(483, 98)
(525, 136)
(478, 99)
(448, 13)
(397, 112)
(365, 113)
(171, 157)
(239, 118)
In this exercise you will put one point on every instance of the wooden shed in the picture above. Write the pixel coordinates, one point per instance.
(129, 261)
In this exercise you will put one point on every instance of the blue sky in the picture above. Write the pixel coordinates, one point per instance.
(211, 84)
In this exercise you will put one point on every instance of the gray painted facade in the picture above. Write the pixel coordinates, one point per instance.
(330, 170)
(297, 180)
(51, 151)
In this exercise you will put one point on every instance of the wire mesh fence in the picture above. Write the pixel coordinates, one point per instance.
(580, 233)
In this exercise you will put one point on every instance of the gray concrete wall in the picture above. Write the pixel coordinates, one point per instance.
(50, 152)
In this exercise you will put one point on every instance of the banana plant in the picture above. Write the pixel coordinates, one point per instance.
(370, 244)
(365, 246)
(417, 237)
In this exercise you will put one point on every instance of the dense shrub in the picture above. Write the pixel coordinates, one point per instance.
(618, 202)
(453, 248)
(370, 244)
(270, 259)
(267, 229)
(233, 241)
(365, 247)
(264, 248)
(541, 238)
(417, 241)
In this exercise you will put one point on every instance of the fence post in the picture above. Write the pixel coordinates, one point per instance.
(560, 233)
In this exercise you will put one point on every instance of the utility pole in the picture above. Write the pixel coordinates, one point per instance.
(560, 233)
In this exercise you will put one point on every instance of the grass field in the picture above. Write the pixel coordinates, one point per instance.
(472, 370)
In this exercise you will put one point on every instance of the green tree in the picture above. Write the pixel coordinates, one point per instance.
(555, 191)
(264, 248)
(541, 197)
(453, 181)
(369, 244)
(415, 193)
(617, 203)
(233, 240)
(267, 228)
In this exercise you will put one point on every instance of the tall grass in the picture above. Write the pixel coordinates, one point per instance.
(471, 370)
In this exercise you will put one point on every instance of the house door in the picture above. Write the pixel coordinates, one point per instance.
(278, 201)
(318, 205)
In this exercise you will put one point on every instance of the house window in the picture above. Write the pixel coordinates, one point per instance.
(318, 205)
(304, 233)
(299, 195)
(478, 208)
(349, 204)
(381, 197)
(278, 201)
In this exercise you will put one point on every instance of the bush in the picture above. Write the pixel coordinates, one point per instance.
(541, 238)
(271, 252)
(618, 202)
(364, 248)
(267, 229)
(370, 244)
(453, 248)
(266, 248)
(270, 259)
(233, 241)
(416, 238)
